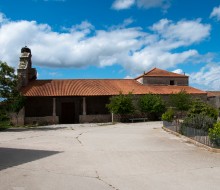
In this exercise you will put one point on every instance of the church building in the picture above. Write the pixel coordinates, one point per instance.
(84, 100)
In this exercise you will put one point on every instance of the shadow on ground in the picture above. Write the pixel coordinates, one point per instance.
(10, 157)
(33, 129)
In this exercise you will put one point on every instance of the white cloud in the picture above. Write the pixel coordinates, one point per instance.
(122, 4)
(153, 3)
(178, 71)
(186, 31)
(150, 58)
(125, 23)
(207, 77)
(216, 13)
(129, 77)
(82, 45)
(3, 18)
(147, 4)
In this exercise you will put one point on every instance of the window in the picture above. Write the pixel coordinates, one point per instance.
(172, 82)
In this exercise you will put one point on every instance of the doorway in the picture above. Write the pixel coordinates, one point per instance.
(67, 112)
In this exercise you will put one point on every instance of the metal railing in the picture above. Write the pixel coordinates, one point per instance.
(198, 135)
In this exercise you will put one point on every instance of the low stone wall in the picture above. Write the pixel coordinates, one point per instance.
(42, 120)
(100, 118)
(17, 119)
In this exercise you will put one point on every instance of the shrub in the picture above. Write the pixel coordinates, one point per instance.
(151, 104)
(4, 119)
(200, 107)
(198, 121)
(214, 134)
(121, 104)
(181, 101)
(168, 115)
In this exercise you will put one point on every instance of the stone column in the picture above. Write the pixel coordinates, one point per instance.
(54, 111)
(54, 106)
(84, 105)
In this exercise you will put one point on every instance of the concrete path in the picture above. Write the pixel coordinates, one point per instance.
(137, 156)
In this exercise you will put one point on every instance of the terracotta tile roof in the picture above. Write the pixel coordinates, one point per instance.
(213, 93)
(155, 72)
(175, 89)
(98, 87)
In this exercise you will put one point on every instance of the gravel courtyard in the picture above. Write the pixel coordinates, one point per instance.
(135, 156)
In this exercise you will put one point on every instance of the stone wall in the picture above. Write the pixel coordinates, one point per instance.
(42, 120)
(214, 101)
(179, 81)
(100, 118)
(17, 119)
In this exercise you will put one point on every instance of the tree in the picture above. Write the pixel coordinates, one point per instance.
(121, 104)
(8, 82)
(181, 101)
(199, 107)
(152, 104)
(13, 101)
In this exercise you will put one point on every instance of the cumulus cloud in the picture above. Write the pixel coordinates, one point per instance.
(122, 4)
(215, 13)
(207, 77)
(147, 4)
(183, 30)
(178, 71)
(2, 18)
(82, 45)
(125, 24)
(153, 3)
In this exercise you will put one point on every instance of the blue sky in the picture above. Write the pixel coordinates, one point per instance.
(114, 38)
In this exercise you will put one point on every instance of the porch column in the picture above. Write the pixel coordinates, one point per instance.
(54, 107)
(84, 105)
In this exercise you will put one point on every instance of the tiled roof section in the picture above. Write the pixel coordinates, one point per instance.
(98, 87)
(81, 87)
(173, 89)
(155, 72)
(213, 93)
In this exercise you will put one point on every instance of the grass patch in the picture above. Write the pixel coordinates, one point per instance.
(5, 125)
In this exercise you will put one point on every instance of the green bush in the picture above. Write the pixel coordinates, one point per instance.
(168, 115)
(214, 134)
(152, 104)
(181, 101)
(121, 104)
(3, 116)
(5, 125)
(200, 107)
(198, 121)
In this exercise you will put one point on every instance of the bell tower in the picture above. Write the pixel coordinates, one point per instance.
(25, 71)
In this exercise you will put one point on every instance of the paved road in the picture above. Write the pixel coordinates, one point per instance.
(137, 156)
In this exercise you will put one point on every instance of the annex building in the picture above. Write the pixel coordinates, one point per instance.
(84, 100)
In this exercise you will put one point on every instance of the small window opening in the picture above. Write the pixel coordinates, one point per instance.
(172, 82)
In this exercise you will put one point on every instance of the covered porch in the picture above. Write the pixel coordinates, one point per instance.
(66, 110)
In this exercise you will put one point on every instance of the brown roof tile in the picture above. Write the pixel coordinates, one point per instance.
(213, 93)
(98, 87)
(155, 72)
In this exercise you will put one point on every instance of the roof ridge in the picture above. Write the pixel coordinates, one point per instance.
(79, 79)
(171, 74)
